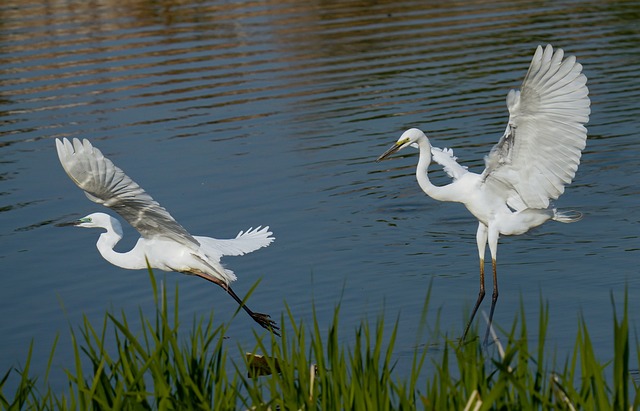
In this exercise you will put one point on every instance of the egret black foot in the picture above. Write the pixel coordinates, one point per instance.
(265, 321)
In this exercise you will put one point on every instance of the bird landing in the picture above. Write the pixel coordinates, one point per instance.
(536, 157)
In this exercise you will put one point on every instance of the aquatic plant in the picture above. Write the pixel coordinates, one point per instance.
(157, 367)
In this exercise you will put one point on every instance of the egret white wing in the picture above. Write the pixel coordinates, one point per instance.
(106, 184)
(540, 150)
(445, 157)
(245, 242)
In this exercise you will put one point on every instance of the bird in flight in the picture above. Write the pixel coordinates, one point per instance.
(530, 165)
(164, 244)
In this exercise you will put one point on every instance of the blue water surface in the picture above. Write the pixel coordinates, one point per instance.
(234, 115)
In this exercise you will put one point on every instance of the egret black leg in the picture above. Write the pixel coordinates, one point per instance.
(494, 299)
(264, 320)
(478, 301)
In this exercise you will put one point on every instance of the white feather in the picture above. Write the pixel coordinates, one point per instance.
(540, 150)
(445, 157)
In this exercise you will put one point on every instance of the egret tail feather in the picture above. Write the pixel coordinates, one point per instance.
(568, 216)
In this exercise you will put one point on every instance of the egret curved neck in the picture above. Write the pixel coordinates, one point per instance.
(132, 260)
(444, 193)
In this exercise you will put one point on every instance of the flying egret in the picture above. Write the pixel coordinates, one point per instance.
(164, 243)
(536, 157)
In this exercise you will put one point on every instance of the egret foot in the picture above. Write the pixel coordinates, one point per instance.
(266, 322)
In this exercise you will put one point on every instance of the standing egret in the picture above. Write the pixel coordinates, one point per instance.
(536, 157)
(164, 244)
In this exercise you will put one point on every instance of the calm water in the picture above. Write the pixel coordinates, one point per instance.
(238, 114)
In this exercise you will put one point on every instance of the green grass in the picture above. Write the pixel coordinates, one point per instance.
(157, 367)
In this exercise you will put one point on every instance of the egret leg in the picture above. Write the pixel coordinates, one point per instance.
(264, 320)
(481, 240)
(478, 301)
(494, 299)
(493, 248)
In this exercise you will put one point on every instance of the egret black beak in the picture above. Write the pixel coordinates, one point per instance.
(394, 148)
(68, 223)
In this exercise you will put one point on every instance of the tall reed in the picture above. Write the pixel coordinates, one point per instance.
(157, 367)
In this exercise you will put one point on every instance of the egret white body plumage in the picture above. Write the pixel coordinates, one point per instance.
(164, 243)
(530, 165)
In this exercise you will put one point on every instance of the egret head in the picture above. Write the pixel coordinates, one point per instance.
(408, 138)
(95, 220)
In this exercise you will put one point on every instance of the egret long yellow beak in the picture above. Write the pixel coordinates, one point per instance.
(394, 148)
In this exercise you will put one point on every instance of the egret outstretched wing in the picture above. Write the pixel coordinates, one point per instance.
(245, 242)
(445, 157)
(106, 184)
(540, 150)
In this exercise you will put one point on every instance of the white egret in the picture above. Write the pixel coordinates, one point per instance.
(536, 157)
(164, 243)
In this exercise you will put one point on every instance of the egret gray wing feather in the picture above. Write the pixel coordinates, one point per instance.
(540, 150)
(106, 184)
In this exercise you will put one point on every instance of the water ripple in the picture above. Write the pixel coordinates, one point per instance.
(275, 111)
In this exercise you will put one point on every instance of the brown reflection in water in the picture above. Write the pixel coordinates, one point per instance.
(307, 47)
